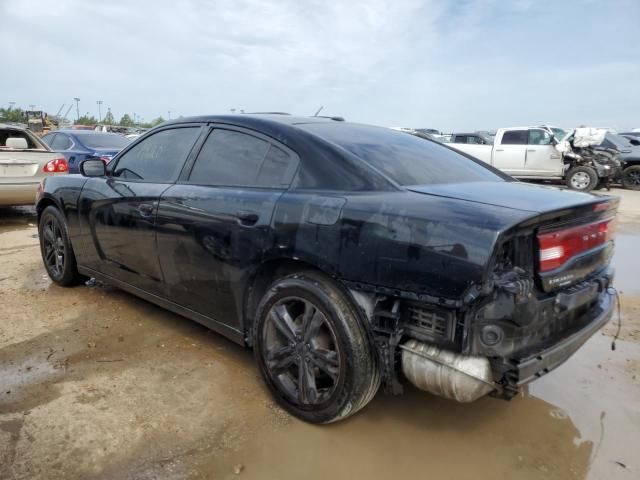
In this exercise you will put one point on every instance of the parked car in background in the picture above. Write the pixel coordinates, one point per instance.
(633, 139)
(471, 138)
(24, 161)
(531, 153)
(80, 145)
(634, 133)
(348, 256)
(629, 156)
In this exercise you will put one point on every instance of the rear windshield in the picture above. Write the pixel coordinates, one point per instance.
(103, 140)
(406, 159)
(32, 143)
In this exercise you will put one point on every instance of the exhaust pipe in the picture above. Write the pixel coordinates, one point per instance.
(447, 374)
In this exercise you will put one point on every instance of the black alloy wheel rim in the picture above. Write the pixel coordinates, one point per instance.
(633, 179)
(54, 250)
(301, 352)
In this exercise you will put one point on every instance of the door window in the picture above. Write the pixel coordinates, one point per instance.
(61, 142)
(515, 137)
(158, 158)
(539, 137)
(230, 158)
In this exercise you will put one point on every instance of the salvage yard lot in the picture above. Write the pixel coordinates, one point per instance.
(96, 383)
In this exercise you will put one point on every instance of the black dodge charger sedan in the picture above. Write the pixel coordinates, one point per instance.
(347, 256)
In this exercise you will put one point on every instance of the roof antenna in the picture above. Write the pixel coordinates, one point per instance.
(319, 110)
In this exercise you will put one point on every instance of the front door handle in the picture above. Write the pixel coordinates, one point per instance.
(247, 217)
(145, 209)
(500, 150)
(531, 150)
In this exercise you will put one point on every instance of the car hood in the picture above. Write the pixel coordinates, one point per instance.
(512, 195)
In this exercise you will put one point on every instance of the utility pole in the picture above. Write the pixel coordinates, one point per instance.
(169, 112)
(32, 107)
(233, 110)
(11, 104)
(99, 102)
(77, 108)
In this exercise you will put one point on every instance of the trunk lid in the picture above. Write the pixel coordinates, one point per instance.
(24, 166)
(570, 233)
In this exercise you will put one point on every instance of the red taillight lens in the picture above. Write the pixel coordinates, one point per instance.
(56, 165)
(561, 245)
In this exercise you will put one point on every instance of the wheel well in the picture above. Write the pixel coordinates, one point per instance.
(42, 204)
(266, 274)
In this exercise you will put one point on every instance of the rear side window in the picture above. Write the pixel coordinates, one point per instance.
(11, 133)
(159, 157)
(515, 137)
(61, 142)
(230, 158)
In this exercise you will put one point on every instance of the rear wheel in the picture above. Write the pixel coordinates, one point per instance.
(56, 250)
(583, 179)
(631, 177)
(312, 349)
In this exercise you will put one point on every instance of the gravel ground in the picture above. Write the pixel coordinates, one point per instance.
(95, 383)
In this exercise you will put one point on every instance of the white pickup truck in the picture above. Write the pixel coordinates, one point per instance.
(534, 153)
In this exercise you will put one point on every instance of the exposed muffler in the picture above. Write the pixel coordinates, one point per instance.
(447, 374)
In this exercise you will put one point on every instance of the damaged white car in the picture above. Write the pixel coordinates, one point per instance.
(549, 153)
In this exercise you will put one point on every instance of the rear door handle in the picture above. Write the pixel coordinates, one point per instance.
(531, 150)
(145, 209)
(500, 150)
(247, 217)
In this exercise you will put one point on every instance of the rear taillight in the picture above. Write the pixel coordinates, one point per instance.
(558, 246)
(56, 165)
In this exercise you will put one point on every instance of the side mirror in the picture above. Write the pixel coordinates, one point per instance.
(93, 168)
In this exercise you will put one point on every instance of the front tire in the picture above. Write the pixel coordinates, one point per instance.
(55, 247)
(631, 177)
(312, 349)
(582, 179)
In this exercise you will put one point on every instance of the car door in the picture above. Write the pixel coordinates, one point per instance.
(510, 150)
(542, 159)
(214, 224)
(118, 212)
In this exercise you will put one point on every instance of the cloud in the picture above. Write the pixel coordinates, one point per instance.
(449, 65)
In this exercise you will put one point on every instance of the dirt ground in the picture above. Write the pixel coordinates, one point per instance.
(97, 384)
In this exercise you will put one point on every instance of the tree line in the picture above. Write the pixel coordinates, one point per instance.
(17, 115)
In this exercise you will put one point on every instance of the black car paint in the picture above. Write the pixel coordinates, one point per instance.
(199, 250)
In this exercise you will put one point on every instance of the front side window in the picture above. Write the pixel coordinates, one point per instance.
(157, 158)
(515, 137)
(539, 137)
(230, 158)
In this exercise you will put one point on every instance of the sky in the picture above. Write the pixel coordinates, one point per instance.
(450, 65)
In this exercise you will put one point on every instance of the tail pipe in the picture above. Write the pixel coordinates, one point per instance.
(447, 374)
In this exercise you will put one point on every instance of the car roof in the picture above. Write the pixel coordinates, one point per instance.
(253, 118)
(71, 131)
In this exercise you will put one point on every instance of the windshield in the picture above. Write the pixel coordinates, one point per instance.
(559, 133)
(406, 159)
(618, 140)
(103, 140)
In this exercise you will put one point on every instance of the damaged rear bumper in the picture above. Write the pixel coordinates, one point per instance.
(531, 367)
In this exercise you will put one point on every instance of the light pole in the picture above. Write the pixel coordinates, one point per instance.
(32, 107)
(99, 102)
(11, 104)
(169, 112)
(77, 108)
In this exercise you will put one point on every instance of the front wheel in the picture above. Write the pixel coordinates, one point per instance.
(583, 179)
(631, 177)
(312, 349)
(56, 250)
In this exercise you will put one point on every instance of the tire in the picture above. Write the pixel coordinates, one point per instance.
(308, 333)
(55, 247)
(631, 177)
(582, 179)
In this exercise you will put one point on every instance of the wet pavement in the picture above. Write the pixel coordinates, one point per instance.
(97, 384)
